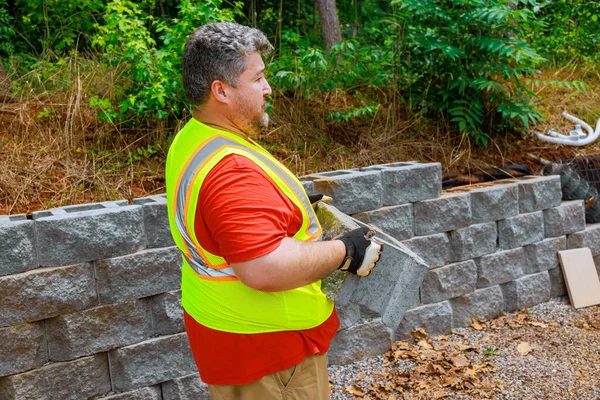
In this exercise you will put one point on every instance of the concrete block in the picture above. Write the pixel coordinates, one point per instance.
(18, 250)
(589, 237)
(569, 217)
(156, 221)
(358, 342)
(597, 263)
(435, 249)
(450, 281)
(22, 347)
(410, 182)
(526, 291)
(142, 274)
(501, 267)
(483, 303)
(46, 292)
(147, 393)
(558, 286)
(543, 255)
(446, 213)
(538, 193)
(352, 191)
(473, 241)
(188, 387)
(396, 221)
(83, 378)
(392, 286)
(167, 313)
(521, 230)
(77, 234)
(151, 362)
(98, 329)
(493, 203)
(435, 318)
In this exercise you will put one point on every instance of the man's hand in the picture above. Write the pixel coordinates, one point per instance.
(362, 253)
(315, 198)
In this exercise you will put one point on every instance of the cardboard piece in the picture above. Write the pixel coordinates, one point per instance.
(581, 277)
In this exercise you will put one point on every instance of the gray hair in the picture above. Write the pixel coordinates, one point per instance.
(216, 52)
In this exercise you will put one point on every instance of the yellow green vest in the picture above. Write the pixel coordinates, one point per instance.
(210, 291)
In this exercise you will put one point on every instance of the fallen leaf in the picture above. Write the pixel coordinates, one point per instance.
(460, 361)
(539, 324)
(355, 390)
(419, 334)
(477, 325)
(463, 335)
(425, 344)
(440, 394)
(524, 348)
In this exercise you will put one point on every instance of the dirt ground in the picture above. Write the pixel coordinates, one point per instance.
(550, 351)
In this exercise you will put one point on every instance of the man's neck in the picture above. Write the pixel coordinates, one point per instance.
(218, 122)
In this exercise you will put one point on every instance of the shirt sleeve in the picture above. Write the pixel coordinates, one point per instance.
(244, 212)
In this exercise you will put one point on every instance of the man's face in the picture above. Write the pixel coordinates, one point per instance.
(250, 102)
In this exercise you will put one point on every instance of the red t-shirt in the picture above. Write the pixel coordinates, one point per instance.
(243, 215)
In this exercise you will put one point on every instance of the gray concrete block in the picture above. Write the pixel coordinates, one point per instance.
(156, 221)
(393, 284)
(526, 291)
(543, 255)
(396, 221)
(46, 292)
(98, 329)
(483, 303)
(501, 267)
(352, 191)
(558, 286)
(435, 249)
(74, 380)
(22, 347)
(435, 318)
(473, 241)
(78, 235)
(167, 313)
(520, 230)
(538, 193)
(151, 362)
(410, 182)
(142, 274)
(589, 237)
(446, 213)
(569, 217)
(358, 342)
(188, 387)
(450, 281)
(18, 250)
(147, 393)
(492, 203)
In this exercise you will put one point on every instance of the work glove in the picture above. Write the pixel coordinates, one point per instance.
(362, 252)
(315, 198)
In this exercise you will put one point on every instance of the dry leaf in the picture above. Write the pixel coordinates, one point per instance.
(425, 345)
(460, 361)
(419, 334)
(355, 390)
(463, 335)
(440, 394)
(477, 325)
(539, 324)
(524, 348)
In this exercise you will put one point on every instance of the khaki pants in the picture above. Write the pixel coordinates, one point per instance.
(305, 381)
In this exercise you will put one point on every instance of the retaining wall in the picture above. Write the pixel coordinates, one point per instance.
(90, 293)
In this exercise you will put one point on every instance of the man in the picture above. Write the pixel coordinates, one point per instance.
(257, 321)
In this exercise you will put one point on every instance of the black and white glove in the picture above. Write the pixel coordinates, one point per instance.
(316, 198)
(362, 252)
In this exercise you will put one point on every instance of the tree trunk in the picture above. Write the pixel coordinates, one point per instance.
(330, 24)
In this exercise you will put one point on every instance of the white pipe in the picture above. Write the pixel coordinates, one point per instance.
(572, 140)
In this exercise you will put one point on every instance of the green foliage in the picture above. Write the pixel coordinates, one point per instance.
(7, 32)
(491, 351)
(150, 50)
(465, 59)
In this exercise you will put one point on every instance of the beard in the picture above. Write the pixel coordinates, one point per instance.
(252, 122)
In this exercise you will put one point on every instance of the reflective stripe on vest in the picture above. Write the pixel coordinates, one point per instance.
(197, 257)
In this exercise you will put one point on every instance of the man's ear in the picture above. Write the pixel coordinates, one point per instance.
(219, 91)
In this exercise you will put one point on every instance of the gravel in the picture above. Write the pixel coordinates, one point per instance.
(550, 351)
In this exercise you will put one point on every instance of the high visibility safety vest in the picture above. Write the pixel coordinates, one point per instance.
(210, 291)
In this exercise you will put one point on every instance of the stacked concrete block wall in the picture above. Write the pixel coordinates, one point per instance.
(91, 305)
(90, 293)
